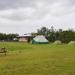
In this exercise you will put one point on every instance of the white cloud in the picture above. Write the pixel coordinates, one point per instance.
(29, 18)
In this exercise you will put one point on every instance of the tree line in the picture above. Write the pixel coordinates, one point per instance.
(52, 34)
(8, 37)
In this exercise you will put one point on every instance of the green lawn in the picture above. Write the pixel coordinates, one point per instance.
(28, 59)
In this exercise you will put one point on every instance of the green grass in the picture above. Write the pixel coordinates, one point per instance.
(46, 59)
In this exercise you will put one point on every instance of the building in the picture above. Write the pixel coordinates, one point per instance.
(25, 38)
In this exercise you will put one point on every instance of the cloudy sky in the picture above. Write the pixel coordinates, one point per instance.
(25, 16)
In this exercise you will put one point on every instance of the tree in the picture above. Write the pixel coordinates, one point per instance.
(43, 31)
(52, 35)
(7, 37)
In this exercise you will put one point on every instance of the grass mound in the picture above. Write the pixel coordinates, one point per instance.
(71, 43)
(57, 42)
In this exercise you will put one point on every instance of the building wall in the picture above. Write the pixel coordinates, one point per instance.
(23, 40)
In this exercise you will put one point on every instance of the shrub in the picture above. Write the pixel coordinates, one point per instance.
(57, 42)
(71, 43)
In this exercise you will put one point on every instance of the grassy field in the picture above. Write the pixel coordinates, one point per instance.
(28, 59)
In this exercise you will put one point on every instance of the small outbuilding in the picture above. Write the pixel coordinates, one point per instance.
(25, 38)
(40, 39)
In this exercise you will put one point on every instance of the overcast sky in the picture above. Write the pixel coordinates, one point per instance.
(25, 16)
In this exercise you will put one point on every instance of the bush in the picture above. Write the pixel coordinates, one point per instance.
(71, 43)
(57, 42)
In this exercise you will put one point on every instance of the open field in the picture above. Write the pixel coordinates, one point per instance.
(28, 59)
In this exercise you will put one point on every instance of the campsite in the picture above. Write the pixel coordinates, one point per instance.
(35, 59)
(47, 52)
(37, 37)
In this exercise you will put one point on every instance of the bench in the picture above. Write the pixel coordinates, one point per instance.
(3, 50)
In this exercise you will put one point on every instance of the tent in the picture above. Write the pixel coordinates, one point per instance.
(39, 40)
